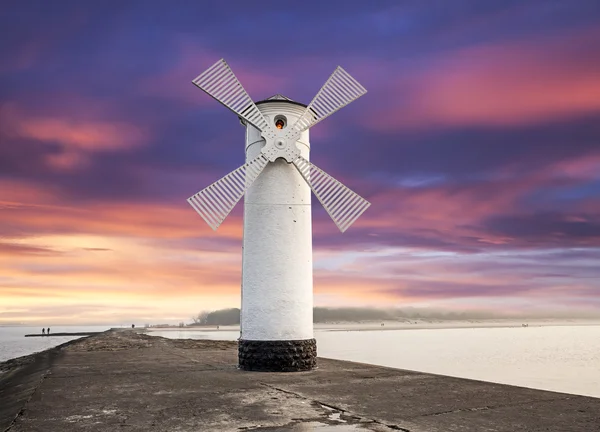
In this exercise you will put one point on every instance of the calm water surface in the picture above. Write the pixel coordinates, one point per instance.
(13, 342)
(563, 359)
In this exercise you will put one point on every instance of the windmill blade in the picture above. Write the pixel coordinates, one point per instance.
(337, 92)
(341, 203)
(216, 201)
(219, 82)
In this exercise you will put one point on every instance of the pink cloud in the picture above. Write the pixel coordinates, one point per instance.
(13, 193)
(86, 136)
(587, 167)
(509, 84)
(77, 138)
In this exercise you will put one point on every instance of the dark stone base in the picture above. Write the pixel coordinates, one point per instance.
(277, 356)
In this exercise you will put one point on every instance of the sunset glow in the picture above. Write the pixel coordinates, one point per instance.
(478, 145)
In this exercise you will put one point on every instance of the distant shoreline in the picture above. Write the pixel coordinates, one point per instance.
(413, 324)
(405, 324)
(451, 324)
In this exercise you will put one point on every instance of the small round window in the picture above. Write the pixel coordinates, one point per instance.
(280, 122)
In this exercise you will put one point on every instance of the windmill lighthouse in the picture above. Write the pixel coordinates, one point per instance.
(277, 179)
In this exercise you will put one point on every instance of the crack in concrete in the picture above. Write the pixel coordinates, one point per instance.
(489, 407)
(24, 407)
(333, 407)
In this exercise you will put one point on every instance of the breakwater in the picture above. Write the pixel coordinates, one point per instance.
(63, 334)
(124, 379)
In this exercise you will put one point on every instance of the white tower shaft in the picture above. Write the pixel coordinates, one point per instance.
(277, 282)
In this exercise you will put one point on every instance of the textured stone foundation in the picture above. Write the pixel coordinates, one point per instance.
(278, 355)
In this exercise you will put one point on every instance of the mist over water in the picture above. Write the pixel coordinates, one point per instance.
(355, 314)
(231, 316)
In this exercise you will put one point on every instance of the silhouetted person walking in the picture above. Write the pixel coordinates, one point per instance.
(48, 332)
(43, 331)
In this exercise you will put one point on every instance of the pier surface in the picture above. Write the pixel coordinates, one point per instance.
(122, 380)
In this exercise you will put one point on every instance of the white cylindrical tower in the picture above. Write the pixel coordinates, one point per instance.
(277, 283)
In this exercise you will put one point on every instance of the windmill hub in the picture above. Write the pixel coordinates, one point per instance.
(280, 147)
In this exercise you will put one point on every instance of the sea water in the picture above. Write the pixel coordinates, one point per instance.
(557, 358)
(13, 342)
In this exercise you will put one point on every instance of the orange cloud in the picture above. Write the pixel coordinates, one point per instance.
(110, 253)
(132, 220)
(70, 270)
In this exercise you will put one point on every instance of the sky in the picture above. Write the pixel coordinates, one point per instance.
(478, 145)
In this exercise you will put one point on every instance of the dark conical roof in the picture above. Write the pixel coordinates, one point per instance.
(280, 98)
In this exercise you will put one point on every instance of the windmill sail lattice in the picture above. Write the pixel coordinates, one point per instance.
(337, 92)
(220, 82)
(341, 203)
(216, 201)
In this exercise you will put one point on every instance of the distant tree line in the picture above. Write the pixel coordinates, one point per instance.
(219, 317)
(328, 315)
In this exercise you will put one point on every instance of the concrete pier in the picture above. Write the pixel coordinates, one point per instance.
(122, 380)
